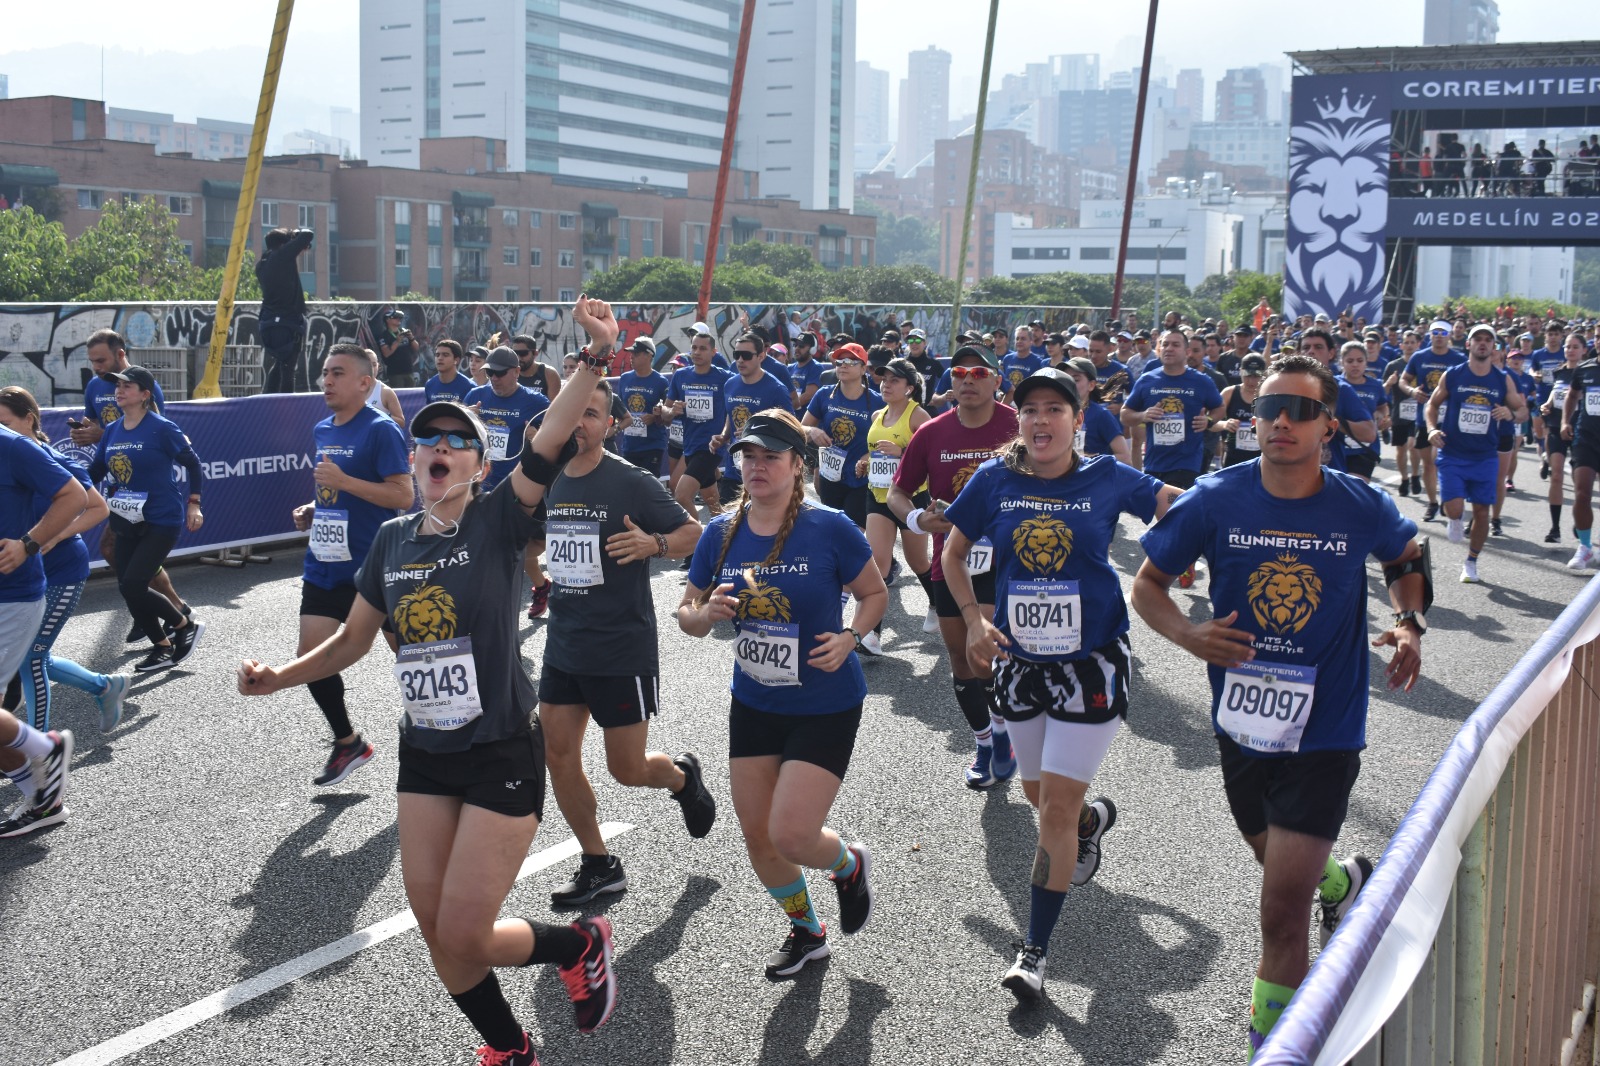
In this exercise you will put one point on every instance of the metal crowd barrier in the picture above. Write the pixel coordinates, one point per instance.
(1478, 938)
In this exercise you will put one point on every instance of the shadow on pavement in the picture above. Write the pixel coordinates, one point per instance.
(793, 1020)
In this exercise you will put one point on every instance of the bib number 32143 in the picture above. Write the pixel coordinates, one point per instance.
(1265, 707)
(439, 683)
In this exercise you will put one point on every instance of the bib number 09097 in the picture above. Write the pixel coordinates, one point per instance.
(1265, 701)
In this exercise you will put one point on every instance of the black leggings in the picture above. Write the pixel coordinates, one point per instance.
(141, 550)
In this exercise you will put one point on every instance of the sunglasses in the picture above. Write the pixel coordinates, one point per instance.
(916, 340)
(496, 373)
(456, 441)
(521, 352)
(742, 356)
(976, 373)
(1298, 408)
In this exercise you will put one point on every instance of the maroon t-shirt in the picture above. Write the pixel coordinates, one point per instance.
(945, 453)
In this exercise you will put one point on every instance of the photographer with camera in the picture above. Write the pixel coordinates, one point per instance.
(398, 347)
(281, 324)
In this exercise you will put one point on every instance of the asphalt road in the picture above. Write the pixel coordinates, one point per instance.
(199, 856)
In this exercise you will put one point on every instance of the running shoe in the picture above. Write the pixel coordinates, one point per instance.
(523, 1056)
(1025, 979)
(1186, 579)
(799, 947)
(110, 701)
(699, 809)
(344, 760)
(1431, 511)
(24, 819)
(871, 644)
(1359, 869)
(894, 572)
(1511, 486)
(1469, 572)
(136, 634)
(185, 639)
(1495, 528)
(1004, 762)
(1416, 484)
(1581, 558)
(595, 877)
(188, 612)
(930, 623)
(1089, 845)
(1455, 529)
(161, 657)
(980, 773)
(855, 892)
(591, 983)
(540, 602)
(53, 771)
(1405, 485)
(1544, 470)
(1554, 536)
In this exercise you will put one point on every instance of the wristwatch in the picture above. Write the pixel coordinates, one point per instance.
(1414, 617)
(31, 546)
(853, 633)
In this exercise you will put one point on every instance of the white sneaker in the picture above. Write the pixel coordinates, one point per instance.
(871, 644)
(1455, 530)
(1469, 572)
(1581, 558)
(930, 624)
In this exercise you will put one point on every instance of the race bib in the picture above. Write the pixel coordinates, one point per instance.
(698, 404)
(1408, 410)
(636, 426)
(1591, 402)
(1473, 419)
(1045, 616)
(574, 553)
(439, 683)
(675, 434)
(1558, 395)
(1080, 440)
(499, 441)
(831, 463)
(768, 652)
(980, 557)
(1168, 431)
(330, 536)
(880, 470)
(129, 505)
(1265, 707)
(1245, 439)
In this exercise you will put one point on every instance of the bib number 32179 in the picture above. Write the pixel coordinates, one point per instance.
(1265, 707)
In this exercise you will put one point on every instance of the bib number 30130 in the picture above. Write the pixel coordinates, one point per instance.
(1046, 616)
(1265, 707)
(768, 652)
(439, 683)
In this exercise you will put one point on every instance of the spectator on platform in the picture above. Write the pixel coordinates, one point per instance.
(281, 324)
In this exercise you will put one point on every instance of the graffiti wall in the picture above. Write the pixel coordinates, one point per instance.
(42, 345)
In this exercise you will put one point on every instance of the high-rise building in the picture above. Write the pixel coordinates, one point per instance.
(5, 86)
(345, 124)
(1460, 21)
(1242, 96)
(1073, 72)
(1190, 93)
(797, 113)
(872, 103)
(1096, 126)
(924, 107)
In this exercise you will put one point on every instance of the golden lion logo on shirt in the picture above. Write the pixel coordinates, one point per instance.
(1042, 544)
(1170, 405)
(842, 429)
(1475, 400)
(636, 403)
(1284, 594)
(763, 603)
(109, 414)
(121, 467)
(740, 415)
(426, 613)
(327, 495)
(963, 475)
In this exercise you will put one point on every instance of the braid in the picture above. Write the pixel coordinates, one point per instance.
(728, 532)
(1014, 455)
(797, 500)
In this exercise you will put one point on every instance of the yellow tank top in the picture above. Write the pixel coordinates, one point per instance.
(899, 433)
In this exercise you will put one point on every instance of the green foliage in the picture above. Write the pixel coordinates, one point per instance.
(1247, 290)
(410, 297)
(1484, 309)
(903, 240)
(34, 264)
(1586, 278)
(782, 260)
(889, 285)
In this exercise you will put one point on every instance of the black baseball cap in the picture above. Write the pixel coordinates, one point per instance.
(769, 432)
(1252, 365)
(133, 375)
(1048, 377)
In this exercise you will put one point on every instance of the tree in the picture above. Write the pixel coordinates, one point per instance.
(889, 285)
(34, 266)
(782, 260)
(1586, 278)
(903, 240)
(1248, 289)
(132, 253)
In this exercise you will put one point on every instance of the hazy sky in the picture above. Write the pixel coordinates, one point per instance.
(183, 57)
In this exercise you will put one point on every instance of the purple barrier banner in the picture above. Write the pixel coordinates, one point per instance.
(256, 454)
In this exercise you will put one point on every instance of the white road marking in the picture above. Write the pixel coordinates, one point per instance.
(171, 1024)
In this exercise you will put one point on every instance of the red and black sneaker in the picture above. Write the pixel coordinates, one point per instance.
(345, 760)
(540, 602)
(523, 1056)
(591, 984)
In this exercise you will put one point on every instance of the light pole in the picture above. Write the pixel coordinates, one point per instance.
(1157, 315)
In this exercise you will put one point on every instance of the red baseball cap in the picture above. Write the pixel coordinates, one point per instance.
(850, 351)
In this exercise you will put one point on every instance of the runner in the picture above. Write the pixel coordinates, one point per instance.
(1362, 459)
(1099, 430)
(1421, 377)
(1460, 416)
(1580, 428)
(892, 427)
(1241, 444)
(1404, 411)
(944, 454)
(362, 477)
(1555, 386)
(644, 436)
(148, 512)
(602, 603)
(837, 422)
(448, 381)
(38, 763)
(66, 571)
(1286, 542)
(1061, 656)
(531, 373)
(697, 393)
(508, 410)
(753, 388)
(471, 787)
(381, 397)
(1513, 362)
(778, 565)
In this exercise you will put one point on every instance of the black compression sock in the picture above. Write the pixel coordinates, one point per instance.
(328, 692)
(486, 1008)
(560, 944)
(1555, 516)
(972, 694)
(925, 579)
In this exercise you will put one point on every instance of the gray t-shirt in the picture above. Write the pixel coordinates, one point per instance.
(602, 616)
(437, 589)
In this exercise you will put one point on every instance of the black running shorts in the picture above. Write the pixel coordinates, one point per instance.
(327, 603)
(825, 740)
(1306, 792)
(503, 776)
(944, 604)
(702, 466)
(612, 701)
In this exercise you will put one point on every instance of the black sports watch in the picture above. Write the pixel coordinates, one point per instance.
(30, 545)
(1414, 617)
(853, 633)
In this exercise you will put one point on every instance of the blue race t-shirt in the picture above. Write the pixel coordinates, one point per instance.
(505, 420)
(778, 369)
(1370, 393)
(68, 562)
(1469, 430)
(143, 487)
(744, 400)
(846, 422)
(792, 603)
(1056, 595)
(100, 401)
(1015, 367)
(803, 375)
(705, 406)
(457, 389)
(369, 447)
(1426, 369)
(640, 395)
(1100, 428)
(1172, 442)
(1296, 572)
(27, 470)
(1525, 385)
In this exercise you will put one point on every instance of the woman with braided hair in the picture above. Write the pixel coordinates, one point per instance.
(775, 565)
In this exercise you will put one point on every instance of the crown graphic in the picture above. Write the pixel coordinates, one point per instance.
(1344, 109)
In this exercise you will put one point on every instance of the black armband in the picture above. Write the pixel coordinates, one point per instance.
(543, 471)
(1422, 564)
